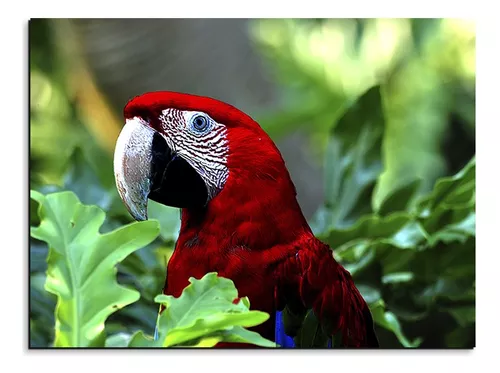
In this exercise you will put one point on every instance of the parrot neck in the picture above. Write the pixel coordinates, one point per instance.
(257, 215)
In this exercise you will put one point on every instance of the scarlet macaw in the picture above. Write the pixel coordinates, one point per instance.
(240, 216)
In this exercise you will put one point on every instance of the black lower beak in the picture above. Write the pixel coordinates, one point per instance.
(146, 168)
(173, 181)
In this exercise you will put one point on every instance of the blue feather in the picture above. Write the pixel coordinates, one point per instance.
(280, 336)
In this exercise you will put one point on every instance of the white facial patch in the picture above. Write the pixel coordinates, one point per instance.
(206, 151)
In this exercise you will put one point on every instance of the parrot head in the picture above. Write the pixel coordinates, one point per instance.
(184, 151)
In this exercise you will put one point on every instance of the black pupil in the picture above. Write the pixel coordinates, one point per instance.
(199, 123)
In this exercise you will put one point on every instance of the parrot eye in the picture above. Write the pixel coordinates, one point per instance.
(200, 123)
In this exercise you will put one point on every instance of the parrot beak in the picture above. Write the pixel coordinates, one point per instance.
(146, 168)
(133, 154)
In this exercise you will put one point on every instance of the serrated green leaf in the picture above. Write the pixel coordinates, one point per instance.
(179, 335)
(205, 309)
(81, 260)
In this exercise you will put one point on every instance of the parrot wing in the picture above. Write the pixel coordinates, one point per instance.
(312, 279)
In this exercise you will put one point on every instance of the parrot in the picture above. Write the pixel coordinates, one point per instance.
(239, 214)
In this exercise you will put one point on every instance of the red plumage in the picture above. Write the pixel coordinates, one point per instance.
(254, 232)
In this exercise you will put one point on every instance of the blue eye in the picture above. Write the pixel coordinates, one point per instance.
(200, 123)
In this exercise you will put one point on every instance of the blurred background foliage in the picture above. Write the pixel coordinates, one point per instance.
(297, 78)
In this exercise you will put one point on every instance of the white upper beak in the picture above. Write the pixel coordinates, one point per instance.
(132, 166)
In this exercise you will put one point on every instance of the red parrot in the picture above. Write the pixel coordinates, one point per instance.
(239, 212)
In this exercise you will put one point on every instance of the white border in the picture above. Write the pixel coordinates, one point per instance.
(14, 219)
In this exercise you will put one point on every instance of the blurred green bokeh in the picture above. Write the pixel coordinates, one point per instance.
(426, 69)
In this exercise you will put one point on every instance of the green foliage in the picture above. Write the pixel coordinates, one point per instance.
(143, 270)
(409, 260)
(203, 316)
(422, 253)
(389, 107)
(354, 159)
(426, 67)
(81, 266)
(81, 273)
(310, 333)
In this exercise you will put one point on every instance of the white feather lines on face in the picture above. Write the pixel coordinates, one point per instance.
(206, 150)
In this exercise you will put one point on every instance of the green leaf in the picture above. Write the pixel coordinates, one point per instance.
(52, 141)
(464, 315)
(42, 306)
(358, 265)
(144, 270)
(354, 160)
(140, 315)
(455, 225)
(453, 191)
(397, 277)
(118, 340)
(238, 334)
(397, 229)
(205, 309)
(169, 218)
(421, 258)
(417, 118)
(207, 342)
(38, 254)
(311, 334)
(292, 321)
(451, 290)
(422, 29)
(369, 293)
(390, 322)
(400, 198)
(84, 182)
(81, 266)
(461, 338)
